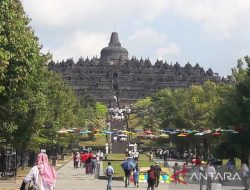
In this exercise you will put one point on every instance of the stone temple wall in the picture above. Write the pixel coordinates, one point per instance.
(135, 78)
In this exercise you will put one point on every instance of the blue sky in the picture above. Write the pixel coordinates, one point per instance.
(213, 33)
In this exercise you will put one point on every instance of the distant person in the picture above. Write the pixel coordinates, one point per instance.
(158, 170)
(151, 178)
(109, 173)
(136, 176)
(184, 169)
(136, 155)
(245, 175)
(101, 156)
(202, 174)
(127, 174)
(77, 160)
(230, 165)
(94, 164)
(211, 172)
(165, 163)
(45, 171)
(176, 169)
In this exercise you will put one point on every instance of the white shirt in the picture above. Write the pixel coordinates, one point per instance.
(211, 171)
(34, 175)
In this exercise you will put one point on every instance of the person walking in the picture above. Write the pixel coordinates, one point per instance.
(158, 170)
(74, 159)
(165, 163)
(43, 171)
(127, 176)
(151, 178)
(94, 164)
(245, 175)
(184, 169)
(202, 171)
(176, 169)
(211, 172)
(109, 173)
(136, 176)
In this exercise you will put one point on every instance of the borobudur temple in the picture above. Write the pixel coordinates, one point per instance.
(129, 79)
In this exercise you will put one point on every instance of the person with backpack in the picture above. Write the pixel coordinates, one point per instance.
(151, 178)
(158, 172)
(109, 173)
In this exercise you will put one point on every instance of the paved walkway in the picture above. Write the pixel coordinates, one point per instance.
(70, 179)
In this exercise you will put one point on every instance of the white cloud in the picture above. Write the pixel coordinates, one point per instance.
(217, 17)
(170, 49)
(80, 44)
(54, 13)
(147, 42)
(147, 36)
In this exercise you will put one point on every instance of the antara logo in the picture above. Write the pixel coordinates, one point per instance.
(225, 176)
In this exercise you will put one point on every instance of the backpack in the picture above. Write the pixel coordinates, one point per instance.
(109, 172)
(151, 175)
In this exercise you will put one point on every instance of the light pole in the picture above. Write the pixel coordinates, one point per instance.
(128, 111)
(110, 137)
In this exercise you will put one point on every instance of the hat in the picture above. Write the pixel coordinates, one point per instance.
(202, 162)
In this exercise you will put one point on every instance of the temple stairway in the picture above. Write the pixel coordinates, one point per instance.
(118, 147)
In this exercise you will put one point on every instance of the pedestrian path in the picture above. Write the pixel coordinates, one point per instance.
(70, 179)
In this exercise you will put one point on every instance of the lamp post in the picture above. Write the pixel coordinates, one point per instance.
(110, 137)
(127, 112)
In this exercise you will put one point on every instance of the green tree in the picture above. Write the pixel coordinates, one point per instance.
(146, 113)
(20, 63)
(235, 110)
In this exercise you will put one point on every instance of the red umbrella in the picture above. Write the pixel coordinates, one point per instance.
(148, 132)
(216, 134)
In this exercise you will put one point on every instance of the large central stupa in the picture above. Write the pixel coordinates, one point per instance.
(114, 51)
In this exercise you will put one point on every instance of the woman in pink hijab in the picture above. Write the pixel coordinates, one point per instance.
(42, 174)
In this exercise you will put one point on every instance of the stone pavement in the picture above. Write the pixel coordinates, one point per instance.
(70, 179)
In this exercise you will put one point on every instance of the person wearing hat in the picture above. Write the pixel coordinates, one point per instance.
(202, 173)
(158, 170)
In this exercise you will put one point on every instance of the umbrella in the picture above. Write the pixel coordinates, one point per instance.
(216, 134)
(109, 132)
(148, 132)
(84, 132)
(182, 135)
(128, 164)
(164, 136)
(122, 135)
(62, 131)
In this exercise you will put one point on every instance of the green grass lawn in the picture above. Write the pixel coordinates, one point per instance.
(98, 141)
(117, 159)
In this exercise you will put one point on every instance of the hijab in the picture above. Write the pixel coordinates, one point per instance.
(46, 171)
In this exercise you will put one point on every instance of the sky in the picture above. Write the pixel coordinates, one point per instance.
(213, 33)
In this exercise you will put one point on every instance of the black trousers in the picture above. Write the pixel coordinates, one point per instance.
(157, 180)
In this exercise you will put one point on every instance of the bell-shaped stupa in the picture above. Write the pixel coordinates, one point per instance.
(114, 51)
